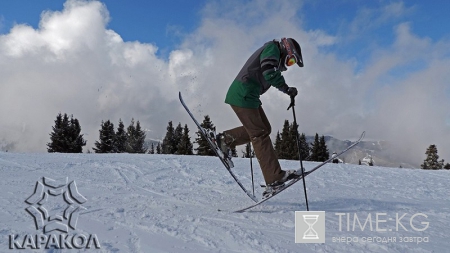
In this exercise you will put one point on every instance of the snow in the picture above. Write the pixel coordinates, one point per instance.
(165, 203)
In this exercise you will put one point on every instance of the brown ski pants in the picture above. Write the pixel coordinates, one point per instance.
(256, 129)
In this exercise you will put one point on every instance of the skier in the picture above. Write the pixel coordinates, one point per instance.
(335, 159)
(261, 71)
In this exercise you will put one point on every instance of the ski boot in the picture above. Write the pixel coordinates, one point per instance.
(223, 146)
(271, 189)
(222, 149)
(277, 185)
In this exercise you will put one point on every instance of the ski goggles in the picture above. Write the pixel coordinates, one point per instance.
(291, 60)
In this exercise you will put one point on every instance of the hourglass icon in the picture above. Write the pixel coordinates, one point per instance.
(310, 220)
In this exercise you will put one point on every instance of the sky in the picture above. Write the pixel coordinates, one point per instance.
(379, 66)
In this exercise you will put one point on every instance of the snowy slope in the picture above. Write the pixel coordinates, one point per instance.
(163, 203)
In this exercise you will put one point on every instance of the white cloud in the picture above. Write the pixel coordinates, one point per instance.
(411, 94)
(73, 64)
(368, 24)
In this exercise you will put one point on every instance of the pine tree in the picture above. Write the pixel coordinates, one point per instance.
(286, 143)
(135, 138)
(56, 143)
(131, 133)
(159, 148)
(447, 166)
(139, 139)
(323, 150)
(292, 142)
(304, 147)
(76, 140)
(152, 149)
(106, 143)
(177, 134)
(315, 149)
(285, 147)
(203, 147)
(277, 144)
(66, 136)
(432, 161)
(120, 142)
(168, 141)
(249, 152)
(185, 146)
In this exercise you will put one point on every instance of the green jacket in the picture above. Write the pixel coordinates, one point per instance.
(260, 72)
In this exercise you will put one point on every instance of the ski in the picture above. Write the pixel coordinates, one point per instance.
(207, 135)
(293, 181)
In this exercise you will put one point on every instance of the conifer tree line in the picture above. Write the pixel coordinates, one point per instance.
(129, 140)
(432, 161)
(286, 145)
(66, 136)
(177, 140)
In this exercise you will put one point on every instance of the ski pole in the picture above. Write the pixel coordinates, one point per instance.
(251, 169)
(298, 147)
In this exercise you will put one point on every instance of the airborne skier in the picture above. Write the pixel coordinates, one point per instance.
(261, 71)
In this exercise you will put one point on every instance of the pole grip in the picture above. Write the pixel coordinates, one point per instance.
(292, 104)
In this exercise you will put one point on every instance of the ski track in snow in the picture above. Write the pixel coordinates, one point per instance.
(166, 203)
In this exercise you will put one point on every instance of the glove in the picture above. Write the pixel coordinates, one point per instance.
(292, 91)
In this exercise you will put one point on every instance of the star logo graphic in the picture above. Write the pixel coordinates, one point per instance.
(47, 187)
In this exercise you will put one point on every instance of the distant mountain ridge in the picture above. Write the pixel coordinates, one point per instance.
(381, 152)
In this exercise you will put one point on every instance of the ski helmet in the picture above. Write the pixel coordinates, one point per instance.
(292, 52)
